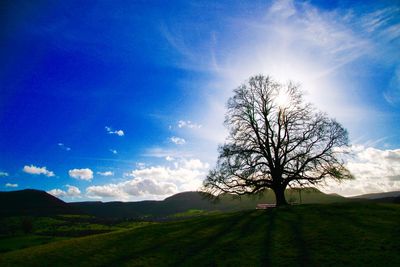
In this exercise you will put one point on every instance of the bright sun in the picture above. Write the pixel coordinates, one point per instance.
(282, 99)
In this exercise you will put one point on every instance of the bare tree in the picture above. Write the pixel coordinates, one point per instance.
(276, 140)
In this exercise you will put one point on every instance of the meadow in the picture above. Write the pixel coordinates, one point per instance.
(19, 232)
(341, 234)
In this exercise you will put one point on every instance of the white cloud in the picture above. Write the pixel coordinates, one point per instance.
(106, 173)
(117, 132)
(81, 174)
(169, 158)
(113, 151)
(155, 182)
(375, 170)
(177, 140)
(37, 170)
(11, 185)
(188, 124)
(57, 192)
(64, 147)
(72, 191)
(3, 173)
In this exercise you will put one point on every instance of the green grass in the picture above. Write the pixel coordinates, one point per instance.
(347, 234)
(193, 213)
(10, 243)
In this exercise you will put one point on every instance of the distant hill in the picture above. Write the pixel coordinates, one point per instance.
(392, 194)
(32, 202)
(185, 201)
(35, 202)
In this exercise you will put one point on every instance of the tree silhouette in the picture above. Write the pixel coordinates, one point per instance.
(275, 140)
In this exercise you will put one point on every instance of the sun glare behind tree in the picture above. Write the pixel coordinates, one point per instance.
(275, 140)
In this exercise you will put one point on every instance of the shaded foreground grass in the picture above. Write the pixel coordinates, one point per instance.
(352, 234)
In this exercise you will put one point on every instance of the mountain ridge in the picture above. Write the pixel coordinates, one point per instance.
(37, 202)
(31, 202)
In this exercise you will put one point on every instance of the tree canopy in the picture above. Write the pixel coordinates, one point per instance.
(276, 139)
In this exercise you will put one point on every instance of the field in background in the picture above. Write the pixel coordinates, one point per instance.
(19, 232)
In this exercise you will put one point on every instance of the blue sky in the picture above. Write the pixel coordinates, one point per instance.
(125, 100)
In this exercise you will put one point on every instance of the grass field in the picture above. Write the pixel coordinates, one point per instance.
(26, 231)
(346, 234)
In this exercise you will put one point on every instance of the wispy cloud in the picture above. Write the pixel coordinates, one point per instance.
(11, 185)
(37, 170)
(177, 140)
(188, 124)
(109, 130)
(106, 173)
(81, 174)
(392, 93)
(63, 147)
(113, 151)
(159, 152)
(3, 174)
(330, 52)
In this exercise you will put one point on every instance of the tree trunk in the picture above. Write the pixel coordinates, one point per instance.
(280, 196)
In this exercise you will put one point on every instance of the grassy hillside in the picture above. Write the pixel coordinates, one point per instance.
(26, 231)
(346, 234)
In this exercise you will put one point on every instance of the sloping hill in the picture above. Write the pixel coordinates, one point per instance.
(185, 201)
(384, 197)
(35, 202)
(379, 195)
(32, 202)
(346, 234)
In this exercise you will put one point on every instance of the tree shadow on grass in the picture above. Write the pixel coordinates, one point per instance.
(241, 244)
(286, 225)
(177, 247)
(270, 227)
(299, 240)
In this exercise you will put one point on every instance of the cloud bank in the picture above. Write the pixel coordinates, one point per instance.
(72, 191)
(375, 170)
(155, 182)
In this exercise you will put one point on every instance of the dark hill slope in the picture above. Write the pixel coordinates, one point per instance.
(392, 194)
(32, 202)
(384, 197)
(345, 234)
(185, 201)
(118, 209)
